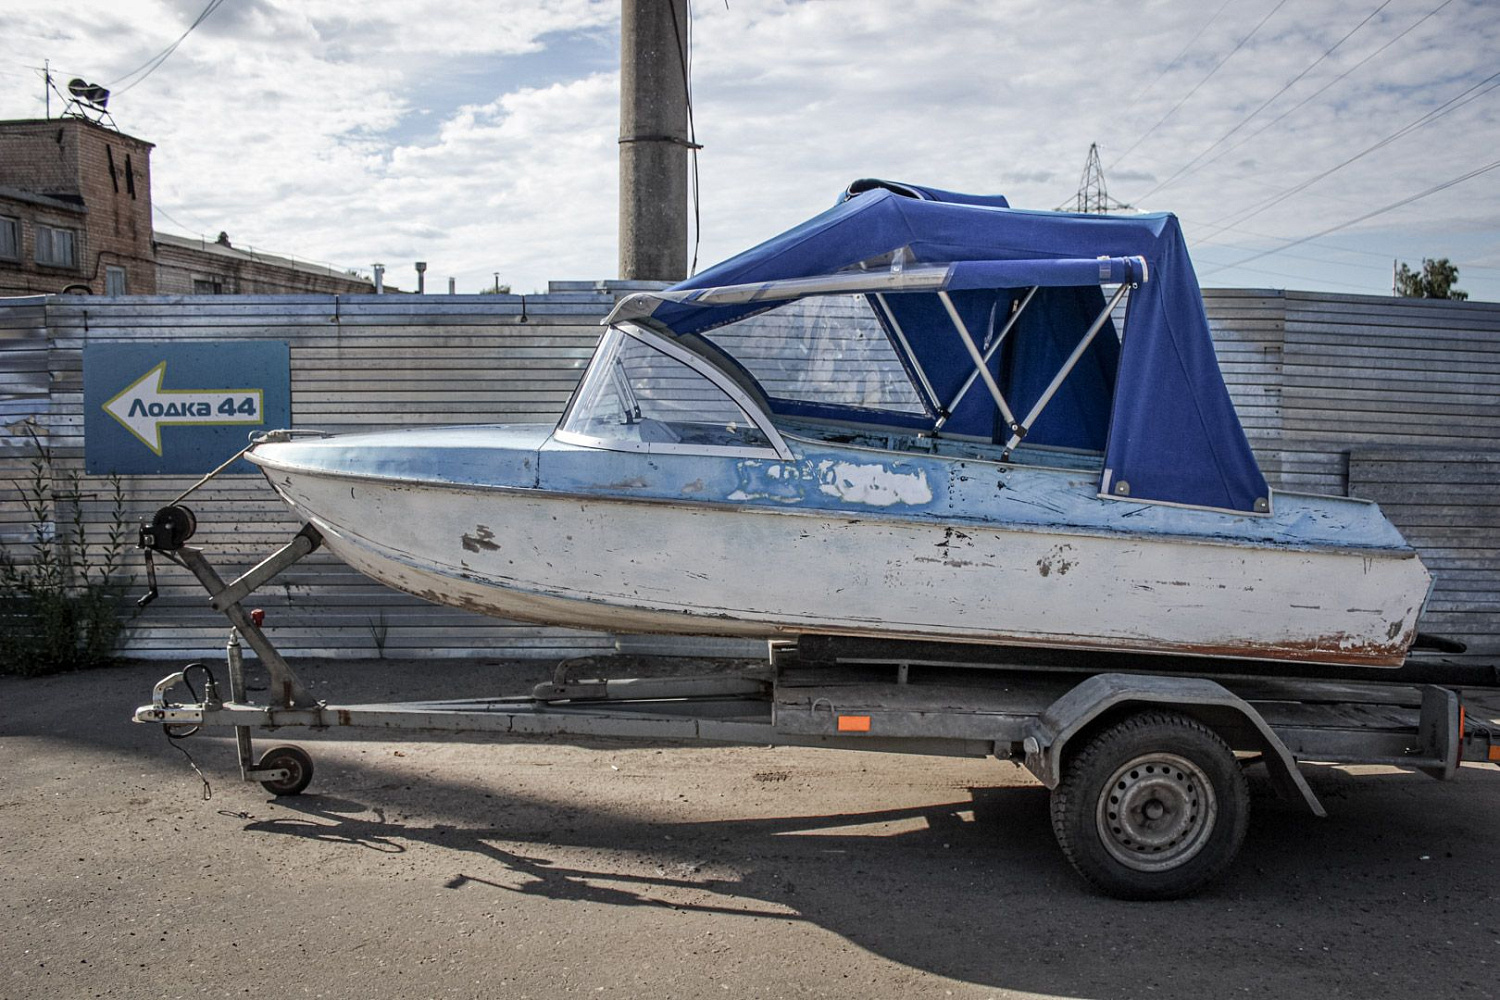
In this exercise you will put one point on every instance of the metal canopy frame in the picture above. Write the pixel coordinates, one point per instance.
(1018, 428)
(901, 278)
(989, 354)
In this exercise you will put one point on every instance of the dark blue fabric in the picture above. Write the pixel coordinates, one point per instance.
(1172, 434)
(1044, 336)
(923, 193)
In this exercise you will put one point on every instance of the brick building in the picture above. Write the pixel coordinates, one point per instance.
(187, 266)
(75, 209)
(75, 216)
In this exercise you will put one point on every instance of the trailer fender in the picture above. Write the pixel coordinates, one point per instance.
(1048, 734)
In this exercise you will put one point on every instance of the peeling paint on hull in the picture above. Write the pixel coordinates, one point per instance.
(625, 566)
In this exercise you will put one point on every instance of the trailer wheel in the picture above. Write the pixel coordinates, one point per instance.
(296, 762)
(1153, 807)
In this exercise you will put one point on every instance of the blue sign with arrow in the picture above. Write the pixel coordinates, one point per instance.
(163, 407)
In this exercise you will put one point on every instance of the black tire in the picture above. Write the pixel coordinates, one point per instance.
(1154, 807)
(296, 762)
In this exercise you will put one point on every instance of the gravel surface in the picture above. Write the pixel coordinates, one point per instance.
(542, 869)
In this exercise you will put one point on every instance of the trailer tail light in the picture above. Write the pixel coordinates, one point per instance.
(854, 723)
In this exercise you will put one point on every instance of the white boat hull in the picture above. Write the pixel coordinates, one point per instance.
(641, 566)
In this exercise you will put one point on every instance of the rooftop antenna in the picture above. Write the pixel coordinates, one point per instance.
(90, 102)
(48, 87)
(1093, 196)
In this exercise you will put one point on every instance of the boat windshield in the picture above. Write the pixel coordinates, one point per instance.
(636, 396)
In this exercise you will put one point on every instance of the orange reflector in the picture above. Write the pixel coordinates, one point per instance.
(1495, 754)
(854, 723)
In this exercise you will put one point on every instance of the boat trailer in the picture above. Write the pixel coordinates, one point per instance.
(1144, 754)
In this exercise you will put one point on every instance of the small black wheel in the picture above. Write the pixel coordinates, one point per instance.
(297, 764)
(1154, 807)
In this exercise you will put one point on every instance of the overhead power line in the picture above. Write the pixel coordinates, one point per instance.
(200, 226)
(1178, 57)
(1468, 96)
(1383, 256)
(1238, 45)
(1268, 101)
(1384, 271)
(151, 65)
(1309, 98)
(1470, 175)
(1217, 240)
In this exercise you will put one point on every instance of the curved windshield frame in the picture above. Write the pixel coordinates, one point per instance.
(643, 393)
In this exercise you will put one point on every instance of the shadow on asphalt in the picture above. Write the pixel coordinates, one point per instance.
(976, 889)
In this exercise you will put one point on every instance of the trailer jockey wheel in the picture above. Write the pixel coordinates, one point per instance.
(297, 764)
(1153, 807)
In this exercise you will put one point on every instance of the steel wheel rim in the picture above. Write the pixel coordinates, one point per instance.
(288, 763)
(1156, 812)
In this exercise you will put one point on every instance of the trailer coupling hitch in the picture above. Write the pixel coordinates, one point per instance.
(168, 530)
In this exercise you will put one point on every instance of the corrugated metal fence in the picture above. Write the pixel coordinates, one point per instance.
(1395, 400)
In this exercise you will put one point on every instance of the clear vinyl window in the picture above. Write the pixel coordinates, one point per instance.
(637, 397)
(822, 349)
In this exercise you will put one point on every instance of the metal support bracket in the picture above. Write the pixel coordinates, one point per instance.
(306, 541)
(287, 690)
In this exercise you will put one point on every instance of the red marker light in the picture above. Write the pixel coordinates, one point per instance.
(258, 616)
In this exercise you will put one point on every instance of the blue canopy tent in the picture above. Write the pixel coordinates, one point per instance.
(941, 267)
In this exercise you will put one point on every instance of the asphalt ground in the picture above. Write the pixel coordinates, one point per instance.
(545, 869)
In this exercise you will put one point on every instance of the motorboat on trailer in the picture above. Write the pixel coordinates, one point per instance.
(910, 417)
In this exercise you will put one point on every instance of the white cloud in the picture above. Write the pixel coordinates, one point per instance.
(464, 133)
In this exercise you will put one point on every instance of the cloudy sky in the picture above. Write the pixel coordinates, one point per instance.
(479, 135)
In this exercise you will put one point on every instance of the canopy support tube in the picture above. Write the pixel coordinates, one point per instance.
(1064, 371)
(980, 366)
(932, 396)
(988, 356)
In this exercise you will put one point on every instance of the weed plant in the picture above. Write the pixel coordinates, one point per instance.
(62, 592)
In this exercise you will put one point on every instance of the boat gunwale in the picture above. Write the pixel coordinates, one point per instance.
(725, 506)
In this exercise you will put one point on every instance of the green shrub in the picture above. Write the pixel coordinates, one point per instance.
(62, 597)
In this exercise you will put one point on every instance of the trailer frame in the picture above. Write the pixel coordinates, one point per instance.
(1057, 713)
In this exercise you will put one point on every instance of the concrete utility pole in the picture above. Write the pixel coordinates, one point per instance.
(653, 140)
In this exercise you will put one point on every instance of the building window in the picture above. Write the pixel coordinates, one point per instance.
(114, 281)
(207, 286)
(10, 238)
(54, 247)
